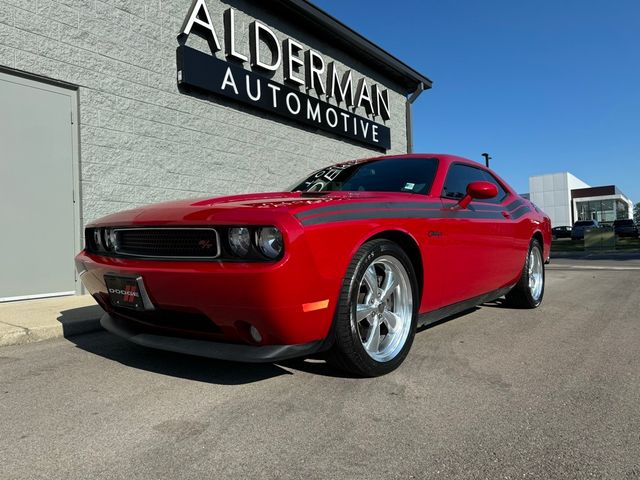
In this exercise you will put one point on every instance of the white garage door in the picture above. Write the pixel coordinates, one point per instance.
(38, 226)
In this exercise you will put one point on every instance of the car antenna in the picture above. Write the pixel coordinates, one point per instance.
(487, 157)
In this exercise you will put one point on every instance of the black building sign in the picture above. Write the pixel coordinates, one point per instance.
(301, 68)
(205, 72)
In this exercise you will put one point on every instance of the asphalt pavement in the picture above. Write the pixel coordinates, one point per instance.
(493, 393)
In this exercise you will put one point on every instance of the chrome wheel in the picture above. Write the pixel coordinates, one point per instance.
(384, 308)
(536, 273)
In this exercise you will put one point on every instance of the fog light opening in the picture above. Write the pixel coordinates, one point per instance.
(255, 334)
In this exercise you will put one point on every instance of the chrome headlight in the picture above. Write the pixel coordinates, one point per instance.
(240, 241)
(113, 239)
(269, 240)
(97, 238)
(110, 238)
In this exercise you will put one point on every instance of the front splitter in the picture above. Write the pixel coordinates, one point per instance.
(208, 349)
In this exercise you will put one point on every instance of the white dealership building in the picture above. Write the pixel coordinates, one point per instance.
(108, 105)
(567, 199)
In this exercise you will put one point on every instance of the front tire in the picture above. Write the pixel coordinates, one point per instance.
(529, 290)
(377, 312)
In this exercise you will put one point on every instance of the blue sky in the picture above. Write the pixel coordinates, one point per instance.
(544, 87)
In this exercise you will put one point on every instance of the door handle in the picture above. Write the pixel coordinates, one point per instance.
(506, 214)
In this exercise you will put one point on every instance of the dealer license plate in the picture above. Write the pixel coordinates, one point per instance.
(124, 292)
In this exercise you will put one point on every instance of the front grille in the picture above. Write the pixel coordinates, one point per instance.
(197, 243)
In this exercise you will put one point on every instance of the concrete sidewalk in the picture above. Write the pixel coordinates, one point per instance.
(34, 320)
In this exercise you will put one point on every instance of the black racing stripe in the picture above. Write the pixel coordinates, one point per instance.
(520, 208)
(523, 210)
(416, 206)
(493, 207)
(367, 206)
(486, 208)
(420, 213)
(515, 205)
(499, 208)
(469, 214)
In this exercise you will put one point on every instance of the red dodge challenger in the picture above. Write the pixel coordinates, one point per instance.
(349, 262)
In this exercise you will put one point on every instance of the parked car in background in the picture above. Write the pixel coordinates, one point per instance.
(349, 261)
(561, 232)
(579, 228)
(625, 228)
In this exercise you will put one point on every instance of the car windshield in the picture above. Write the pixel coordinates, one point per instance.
(585, 223)
(411, 175)
(623, 222)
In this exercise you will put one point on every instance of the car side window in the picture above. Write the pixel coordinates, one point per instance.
(502, 193)
(460, 175)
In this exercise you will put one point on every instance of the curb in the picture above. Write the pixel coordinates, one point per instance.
(22, 336)
(594, 255)
(32, 321)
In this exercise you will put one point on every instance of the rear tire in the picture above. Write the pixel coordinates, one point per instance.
(529, 290)
(377, 311)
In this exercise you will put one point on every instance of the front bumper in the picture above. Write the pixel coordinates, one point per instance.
(219, 302)
(210, 349)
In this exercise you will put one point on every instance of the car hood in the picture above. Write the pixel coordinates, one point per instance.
(249, 207)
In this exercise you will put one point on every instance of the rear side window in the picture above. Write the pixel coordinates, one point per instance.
(585, 223)
(461, 175)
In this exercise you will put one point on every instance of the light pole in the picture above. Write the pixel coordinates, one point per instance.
(487, 157)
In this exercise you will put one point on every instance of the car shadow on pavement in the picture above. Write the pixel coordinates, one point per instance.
(172, 364)
(317, 365)
(79, 320)
(207, 370)
(447, 319)
(499, 303)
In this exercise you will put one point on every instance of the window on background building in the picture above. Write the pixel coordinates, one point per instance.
(604, 211)
(622, 210)
(584, 211)
(607, 211)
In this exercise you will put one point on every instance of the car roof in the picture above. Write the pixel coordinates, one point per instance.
(443, 157)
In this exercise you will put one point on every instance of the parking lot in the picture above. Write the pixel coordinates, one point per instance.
(493, 393)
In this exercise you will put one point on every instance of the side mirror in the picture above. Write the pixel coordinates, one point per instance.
(478, 191)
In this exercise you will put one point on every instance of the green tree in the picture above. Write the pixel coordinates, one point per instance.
(636, 212)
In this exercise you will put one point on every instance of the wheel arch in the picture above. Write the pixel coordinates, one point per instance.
(546, 251)
(410, 246)
(538, 236)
